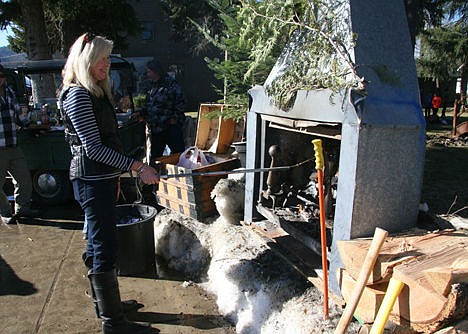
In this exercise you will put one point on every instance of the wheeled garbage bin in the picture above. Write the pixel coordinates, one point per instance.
(136, 239)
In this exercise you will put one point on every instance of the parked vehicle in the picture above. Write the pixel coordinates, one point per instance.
(43, 142)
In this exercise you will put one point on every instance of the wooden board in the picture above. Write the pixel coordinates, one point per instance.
(216, 135)
(190, 195)
(442, 278)
(438, 267)
(297, 255)
(397, 249)
(197, 211)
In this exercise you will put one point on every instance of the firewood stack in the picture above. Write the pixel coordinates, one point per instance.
(433, 266)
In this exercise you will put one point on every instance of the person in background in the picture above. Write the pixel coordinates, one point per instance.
(457, 106)
(427, 104)
(436, 104)
(444, 105)
(164, 111)
(12, 159)
(97, 162)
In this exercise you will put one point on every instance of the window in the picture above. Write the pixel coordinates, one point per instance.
(148, 31)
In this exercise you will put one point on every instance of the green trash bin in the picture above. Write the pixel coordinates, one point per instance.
(135, 235)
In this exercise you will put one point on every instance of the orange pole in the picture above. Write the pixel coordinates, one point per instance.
(323, 229)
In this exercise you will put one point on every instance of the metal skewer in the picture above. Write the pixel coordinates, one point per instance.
(235, 171)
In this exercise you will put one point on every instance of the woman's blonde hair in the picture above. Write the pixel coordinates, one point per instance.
(84, 54)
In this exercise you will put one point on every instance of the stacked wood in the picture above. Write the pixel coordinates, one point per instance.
(190, 195)
(433, 266)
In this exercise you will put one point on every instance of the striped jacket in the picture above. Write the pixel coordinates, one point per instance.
(91, 131)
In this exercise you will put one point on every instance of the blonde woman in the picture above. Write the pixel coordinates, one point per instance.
(97, 161)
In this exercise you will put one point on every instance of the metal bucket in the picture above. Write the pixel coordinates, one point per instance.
(240, 151)
(136, 239)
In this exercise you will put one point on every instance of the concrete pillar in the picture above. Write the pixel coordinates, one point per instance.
(383, 136)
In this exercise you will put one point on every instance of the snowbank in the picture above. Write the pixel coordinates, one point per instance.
(253, 287)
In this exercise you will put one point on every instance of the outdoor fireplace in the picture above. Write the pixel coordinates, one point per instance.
(373, 143)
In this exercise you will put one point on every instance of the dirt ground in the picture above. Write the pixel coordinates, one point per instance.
(43, 287)
(445, 185)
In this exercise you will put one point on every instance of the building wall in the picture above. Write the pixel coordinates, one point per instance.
(156, 41)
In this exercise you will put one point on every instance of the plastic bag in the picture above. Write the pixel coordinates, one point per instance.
(192, 158)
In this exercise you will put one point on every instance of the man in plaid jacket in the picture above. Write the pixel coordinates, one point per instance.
(164, 112)
(12, 159)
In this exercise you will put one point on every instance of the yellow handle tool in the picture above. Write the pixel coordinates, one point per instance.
(393, 290)
(318, 153)
(323, 230)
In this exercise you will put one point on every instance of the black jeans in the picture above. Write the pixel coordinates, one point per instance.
(98, 200)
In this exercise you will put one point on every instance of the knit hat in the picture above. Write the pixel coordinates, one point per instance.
(155, 66)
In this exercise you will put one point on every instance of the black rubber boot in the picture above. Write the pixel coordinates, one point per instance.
(106, 288)
(128, 306)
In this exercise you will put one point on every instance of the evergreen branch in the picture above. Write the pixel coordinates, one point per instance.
(207, 35)
(342, 51)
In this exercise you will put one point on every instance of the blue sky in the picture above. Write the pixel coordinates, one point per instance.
(3, 37)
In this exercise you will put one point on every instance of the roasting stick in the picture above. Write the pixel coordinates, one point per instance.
(367, 266)
(235, 171)
(323, 229)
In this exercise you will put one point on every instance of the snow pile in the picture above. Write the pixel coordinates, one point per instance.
(304, 314)
(253, 287)
(182, 243)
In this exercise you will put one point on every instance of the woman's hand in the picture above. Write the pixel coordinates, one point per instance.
(148, 175)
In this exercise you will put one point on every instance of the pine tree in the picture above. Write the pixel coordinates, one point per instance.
(444, 53)
(233, 69)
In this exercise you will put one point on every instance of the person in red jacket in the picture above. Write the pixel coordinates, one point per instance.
(436, 104)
